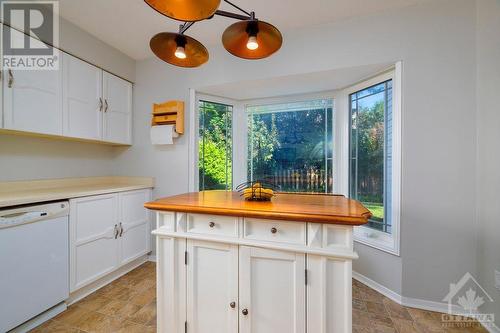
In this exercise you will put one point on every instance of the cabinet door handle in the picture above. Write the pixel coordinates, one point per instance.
(232, 305)
(11, 79)
(100, 104)
(211, 224)
(244, 311)
(274, 230)
(121, 229)
(105, 105)
(116, 231)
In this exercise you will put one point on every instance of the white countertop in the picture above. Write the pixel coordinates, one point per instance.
(27, 192)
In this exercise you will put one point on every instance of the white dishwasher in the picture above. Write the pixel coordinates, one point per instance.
(34, 261)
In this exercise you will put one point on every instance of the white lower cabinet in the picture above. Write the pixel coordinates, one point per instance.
(106, 232)
(240, 275)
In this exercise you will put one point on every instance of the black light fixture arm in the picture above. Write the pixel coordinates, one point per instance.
(237, 7)
(183, 27)
(248, 16)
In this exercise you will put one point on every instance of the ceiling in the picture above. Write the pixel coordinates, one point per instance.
(294, 84)
(128, 25)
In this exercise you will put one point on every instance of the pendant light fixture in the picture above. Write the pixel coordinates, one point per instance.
(249, 38)
(178, 49)
(185, 10)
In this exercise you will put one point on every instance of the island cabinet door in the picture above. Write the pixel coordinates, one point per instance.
(272, 291)
(212, 287)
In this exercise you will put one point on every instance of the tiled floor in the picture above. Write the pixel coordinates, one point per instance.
(129, 305)
(374, 313)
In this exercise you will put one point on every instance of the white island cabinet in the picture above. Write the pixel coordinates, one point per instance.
(226, 265)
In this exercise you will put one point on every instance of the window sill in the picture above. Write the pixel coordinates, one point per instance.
(377, 239)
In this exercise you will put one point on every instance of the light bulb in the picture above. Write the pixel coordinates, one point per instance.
(180, 52)
(252, 43)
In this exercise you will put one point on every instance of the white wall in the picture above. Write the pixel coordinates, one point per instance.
(436, 41)
(488, 157)
(23, 157)
(74, 40)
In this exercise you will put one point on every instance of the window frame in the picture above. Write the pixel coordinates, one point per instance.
(362, 234)
(195, 98)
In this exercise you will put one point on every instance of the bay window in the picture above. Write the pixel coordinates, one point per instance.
(346, 142)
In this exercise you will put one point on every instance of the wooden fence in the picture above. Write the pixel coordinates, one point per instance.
(302, 180)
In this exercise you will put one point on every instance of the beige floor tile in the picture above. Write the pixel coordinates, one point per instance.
(377, 308)
(93, 302)
(372, 295)
(119, 308)
(361, 318)
(418, 314)
(405, 326)
(145, 314)
(144, 297)
(396, 311)
(72, 315)
(92, 322)
(358, 304)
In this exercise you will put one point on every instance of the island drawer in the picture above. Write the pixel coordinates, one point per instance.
(275, 231)
(212, 225)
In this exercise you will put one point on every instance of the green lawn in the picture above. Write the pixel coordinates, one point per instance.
(377, 209)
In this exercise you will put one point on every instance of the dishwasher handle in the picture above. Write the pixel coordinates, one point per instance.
(13, 219)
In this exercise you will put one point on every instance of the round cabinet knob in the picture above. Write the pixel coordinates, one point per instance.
(274, 230)
(211, 224)
(232, 304)
(244, 311)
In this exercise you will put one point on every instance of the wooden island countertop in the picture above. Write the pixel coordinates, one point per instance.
(334, 209)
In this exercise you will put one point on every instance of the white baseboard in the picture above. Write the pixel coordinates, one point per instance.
(378, 287)
(412, 302)
(152, 257)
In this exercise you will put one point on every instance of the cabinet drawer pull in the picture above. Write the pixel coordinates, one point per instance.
(211, 224)
(244, 311)
(232, 305)
(121, 229)
(274, 230)
(105, 105)
(100, 104)
(116, 231)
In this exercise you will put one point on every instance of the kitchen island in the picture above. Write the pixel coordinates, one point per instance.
(228, 265)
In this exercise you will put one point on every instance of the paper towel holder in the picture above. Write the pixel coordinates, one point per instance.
(169, 113)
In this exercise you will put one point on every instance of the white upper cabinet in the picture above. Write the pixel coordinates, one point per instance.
(272, 291)
(32, 99)
(117, 121)
(82, 99)
(78, 100)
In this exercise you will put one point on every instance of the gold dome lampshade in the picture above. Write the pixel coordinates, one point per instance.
(185, 10)
(179, 50)
(252, 39)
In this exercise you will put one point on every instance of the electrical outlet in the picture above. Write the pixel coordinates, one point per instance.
(497, 279)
